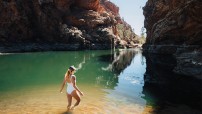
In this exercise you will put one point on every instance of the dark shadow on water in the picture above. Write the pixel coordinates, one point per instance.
(168, 92)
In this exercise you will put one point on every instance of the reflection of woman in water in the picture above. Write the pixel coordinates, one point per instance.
(72, 89)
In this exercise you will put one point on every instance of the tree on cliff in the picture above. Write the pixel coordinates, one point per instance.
(142, 37)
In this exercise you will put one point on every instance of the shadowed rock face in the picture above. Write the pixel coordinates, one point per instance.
(174, 28)
(173, 22)
(56, 24)
(173, 52)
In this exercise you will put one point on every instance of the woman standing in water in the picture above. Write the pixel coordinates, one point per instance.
(72, 89)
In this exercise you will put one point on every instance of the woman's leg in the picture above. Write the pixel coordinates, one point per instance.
(77, 97)
(69, 99)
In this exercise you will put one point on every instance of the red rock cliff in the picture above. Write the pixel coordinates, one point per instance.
(88, 23)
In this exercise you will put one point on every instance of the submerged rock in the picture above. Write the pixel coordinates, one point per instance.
(189, 63)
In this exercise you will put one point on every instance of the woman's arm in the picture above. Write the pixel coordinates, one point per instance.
(63, 83)
(75, 86)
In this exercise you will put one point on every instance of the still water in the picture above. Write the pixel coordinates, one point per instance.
(110, 80)
(113, 82)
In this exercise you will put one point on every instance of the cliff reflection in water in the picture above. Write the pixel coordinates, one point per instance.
(168, 92)
(117, 62)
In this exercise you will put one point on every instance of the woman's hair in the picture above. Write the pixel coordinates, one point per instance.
(69, 71)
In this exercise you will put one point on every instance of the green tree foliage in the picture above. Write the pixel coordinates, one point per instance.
(142, 37)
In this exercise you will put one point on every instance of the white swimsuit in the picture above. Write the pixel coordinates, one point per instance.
(70, 87)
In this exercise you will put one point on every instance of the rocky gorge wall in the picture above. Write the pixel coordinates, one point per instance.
(174, 28)
(173, 52)
(40, 25)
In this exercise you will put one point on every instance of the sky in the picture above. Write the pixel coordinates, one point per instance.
(131, 11)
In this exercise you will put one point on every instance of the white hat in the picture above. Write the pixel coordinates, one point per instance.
(72, 67)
